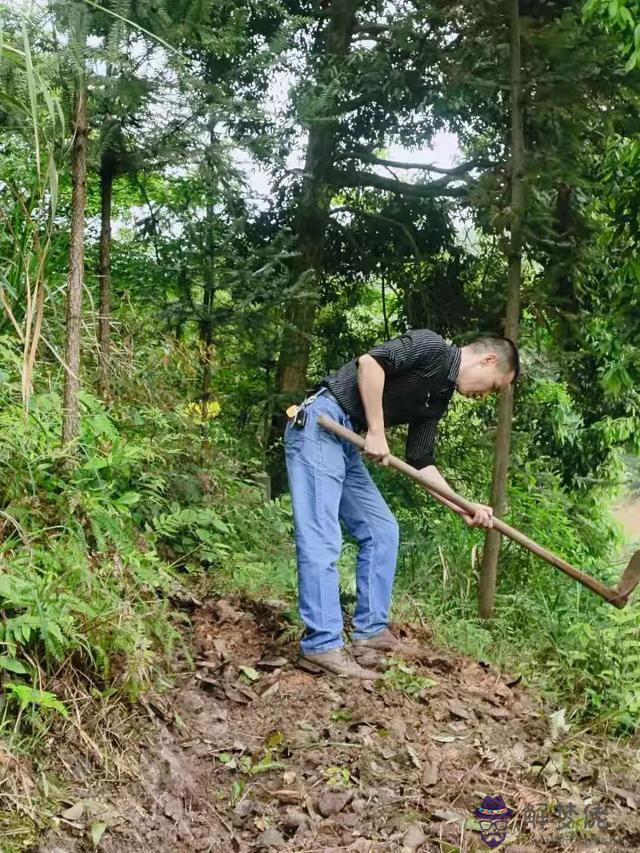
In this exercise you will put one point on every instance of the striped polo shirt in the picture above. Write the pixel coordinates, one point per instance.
(421, 370)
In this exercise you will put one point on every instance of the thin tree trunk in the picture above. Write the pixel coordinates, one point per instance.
(209, 290)
(104, 277)
(70, 407)
(384, 309)
(487, 587)
(310, 227)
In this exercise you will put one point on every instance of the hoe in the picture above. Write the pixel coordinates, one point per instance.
(618, 596)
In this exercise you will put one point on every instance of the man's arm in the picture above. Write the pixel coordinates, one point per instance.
(371, 385)
(483, 515)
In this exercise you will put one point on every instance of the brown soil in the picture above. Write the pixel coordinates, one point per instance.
(628, 514)
(274, 758)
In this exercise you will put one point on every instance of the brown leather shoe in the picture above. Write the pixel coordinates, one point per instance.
(387, 643)
(337, 662)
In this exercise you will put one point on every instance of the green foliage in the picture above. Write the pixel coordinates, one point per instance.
(619, 17)
(601, 665)
(400, 676)
(162, 491)
(26, 696)
(84, 551)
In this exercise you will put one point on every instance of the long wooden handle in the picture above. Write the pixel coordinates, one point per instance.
(594, 585)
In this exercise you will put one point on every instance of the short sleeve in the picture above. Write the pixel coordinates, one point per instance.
(417, 350)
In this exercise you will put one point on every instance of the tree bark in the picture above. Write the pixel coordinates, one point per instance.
(488, 572)
(104, 277)
(209, 286)
(310, 227)
(70, 404)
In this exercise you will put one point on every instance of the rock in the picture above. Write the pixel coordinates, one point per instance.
(271, 838)
(333, 802)
(413, 837)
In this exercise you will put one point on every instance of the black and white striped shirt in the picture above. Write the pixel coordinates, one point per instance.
(421, 370)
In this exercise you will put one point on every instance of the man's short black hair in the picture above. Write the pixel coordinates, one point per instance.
(504, 348)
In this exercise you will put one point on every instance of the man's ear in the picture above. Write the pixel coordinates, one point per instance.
(490, 359)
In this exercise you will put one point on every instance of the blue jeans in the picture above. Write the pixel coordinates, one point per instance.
(328, 482)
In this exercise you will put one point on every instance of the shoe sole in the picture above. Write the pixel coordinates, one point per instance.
(315, 669)
(387, 653)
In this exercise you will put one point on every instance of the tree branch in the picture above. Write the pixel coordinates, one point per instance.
(371, 28)
(460, 170)
(433, 189)
(356, 211)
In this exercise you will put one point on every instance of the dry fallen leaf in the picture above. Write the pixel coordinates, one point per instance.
(558, 724)
(459, 710)
(430, 774)
(272, 663)
(289, 796)
(74, 813)
(446, 815)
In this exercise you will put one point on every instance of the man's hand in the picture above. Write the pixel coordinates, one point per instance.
(376, 447)
(482, 516)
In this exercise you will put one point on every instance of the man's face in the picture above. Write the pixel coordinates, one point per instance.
(483, 377)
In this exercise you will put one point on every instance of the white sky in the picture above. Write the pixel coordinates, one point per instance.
(443, 152)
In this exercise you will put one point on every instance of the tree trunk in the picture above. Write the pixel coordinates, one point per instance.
(560, 270)
(487, 587)
(70, 407)
(104, 277)
(209, 286)
(310, 227)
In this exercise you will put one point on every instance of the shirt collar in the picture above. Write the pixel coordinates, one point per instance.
(454, 367)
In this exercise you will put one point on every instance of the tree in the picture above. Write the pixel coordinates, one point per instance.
(505, 407)
(370, 80)
(121, 97)
(75, 283)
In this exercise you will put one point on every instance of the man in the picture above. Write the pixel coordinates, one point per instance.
(411, 380)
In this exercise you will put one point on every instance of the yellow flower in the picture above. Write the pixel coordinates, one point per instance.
(203, 411)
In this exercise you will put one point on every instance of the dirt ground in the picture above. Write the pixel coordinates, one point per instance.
(248, 753)
(628, 514)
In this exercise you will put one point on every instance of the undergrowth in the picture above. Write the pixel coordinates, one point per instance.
(93, 558)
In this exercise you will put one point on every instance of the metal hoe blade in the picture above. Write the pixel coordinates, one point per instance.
(629, 580)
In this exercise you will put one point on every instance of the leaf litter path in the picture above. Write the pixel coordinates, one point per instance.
(250, 753)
